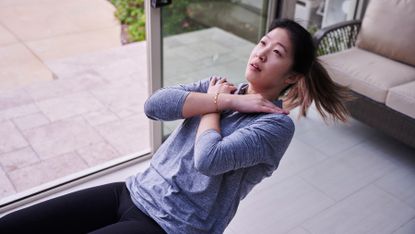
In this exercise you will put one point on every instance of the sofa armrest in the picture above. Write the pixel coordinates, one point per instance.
(336, 37)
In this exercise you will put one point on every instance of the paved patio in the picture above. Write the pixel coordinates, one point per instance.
(85, 107)
(35, 31)
(64, 104)
(91, 114)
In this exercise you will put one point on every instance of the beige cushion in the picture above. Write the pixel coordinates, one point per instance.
(367, 73)
(388, 29)
(402, 99)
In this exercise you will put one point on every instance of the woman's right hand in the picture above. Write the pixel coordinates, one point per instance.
(249, 103)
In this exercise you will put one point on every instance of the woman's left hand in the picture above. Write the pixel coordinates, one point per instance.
(220, 85)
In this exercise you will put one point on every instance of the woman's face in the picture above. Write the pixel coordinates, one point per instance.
(270, 61)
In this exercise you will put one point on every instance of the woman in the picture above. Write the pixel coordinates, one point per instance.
(231, 139)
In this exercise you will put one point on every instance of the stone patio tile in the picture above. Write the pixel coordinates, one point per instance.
(86, 81)
(140, 83)
(124, 69)
(225, 38)
(18, 159)
(243, 52)
(18, 111)
(178, 66)
(171, 42)
(217, 35)
(6, 187)
(121, 66)
(76, 43)
(127, 135)
(6, 37)
(85, 74)
(69, 67)
(128, 111)
(98, 153)
(216, 60)
(13, 98)
(46, 171)
(61, 137)
(100, 117)
(19, 66)
(117, 96)
(70, 105)
(189, 53)
(28, 20)
(44, 90)
(59, 88)
(208, 47)
(5, 3)
(234, 71)
(10, 137)
(189, 37)
(31, 121)
(89, 14)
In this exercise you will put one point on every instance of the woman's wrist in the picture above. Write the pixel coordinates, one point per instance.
(224, 101)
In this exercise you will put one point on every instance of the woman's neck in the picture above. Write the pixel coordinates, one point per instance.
(267, 94)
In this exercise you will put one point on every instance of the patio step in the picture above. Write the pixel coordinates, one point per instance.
(119, 63)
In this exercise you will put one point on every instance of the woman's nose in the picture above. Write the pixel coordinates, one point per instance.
(261, 55)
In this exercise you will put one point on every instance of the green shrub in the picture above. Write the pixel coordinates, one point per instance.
(131, 13)
(175, 18)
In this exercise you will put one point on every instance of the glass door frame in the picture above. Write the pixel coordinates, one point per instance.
(154, 65)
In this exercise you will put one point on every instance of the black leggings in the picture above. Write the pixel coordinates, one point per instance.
(103, 209)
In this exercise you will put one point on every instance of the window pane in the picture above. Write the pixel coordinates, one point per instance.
(71, 94)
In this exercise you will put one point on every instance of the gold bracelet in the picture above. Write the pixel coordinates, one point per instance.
(215, 100)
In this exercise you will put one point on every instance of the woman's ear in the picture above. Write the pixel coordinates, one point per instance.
(293, 78)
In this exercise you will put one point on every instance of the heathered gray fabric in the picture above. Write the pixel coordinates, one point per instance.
(196, 187)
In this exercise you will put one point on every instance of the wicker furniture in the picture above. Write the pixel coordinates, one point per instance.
(376, 59)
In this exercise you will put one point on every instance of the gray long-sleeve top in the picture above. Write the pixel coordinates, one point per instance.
(196, 186)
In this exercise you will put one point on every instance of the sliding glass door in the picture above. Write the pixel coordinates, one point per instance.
(198, 39)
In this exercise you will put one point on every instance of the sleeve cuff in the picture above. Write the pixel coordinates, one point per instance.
(180, 103)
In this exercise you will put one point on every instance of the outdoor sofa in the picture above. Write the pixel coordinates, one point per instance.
(375, 58)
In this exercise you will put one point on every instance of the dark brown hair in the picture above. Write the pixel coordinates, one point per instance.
(317, 86)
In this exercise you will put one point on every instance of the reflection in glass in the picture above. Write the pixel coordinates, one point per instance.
(316, 14)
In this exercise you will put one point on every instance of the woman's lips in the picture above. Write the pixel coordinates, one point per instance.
(254, 67)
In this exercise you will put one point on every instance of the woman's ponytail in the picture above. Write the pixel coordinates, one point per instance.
(315, 84)
(328, 96)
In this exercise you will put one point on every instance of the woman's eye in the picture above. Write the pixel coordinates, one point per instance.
(262, 42)
(278, 53)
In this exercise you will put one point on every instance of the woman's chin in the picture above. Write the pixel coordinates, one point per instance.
(249, 77)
